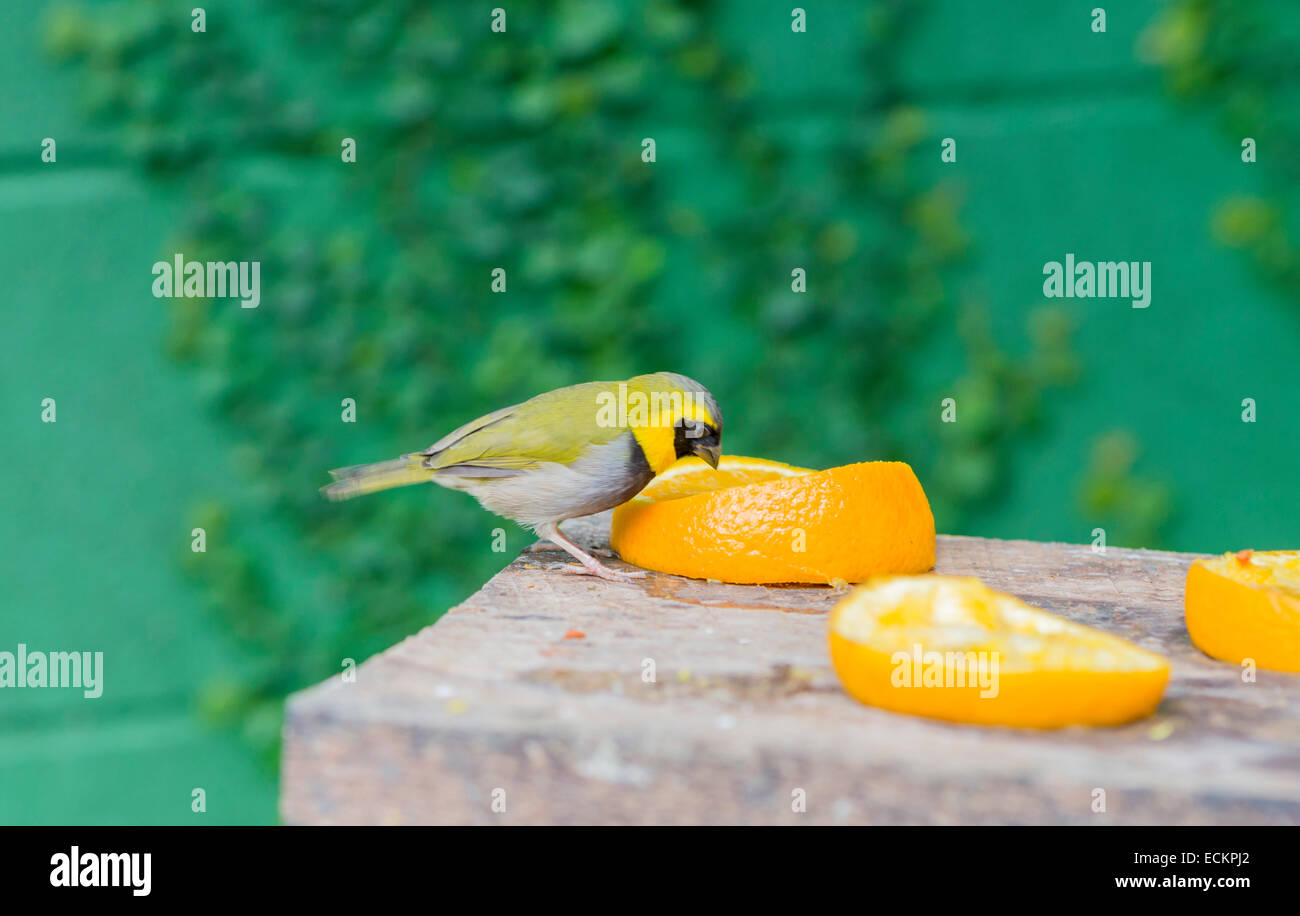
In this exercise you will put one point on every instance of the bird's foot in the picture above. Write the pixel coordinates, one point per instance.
(590, 565)
(603, 572)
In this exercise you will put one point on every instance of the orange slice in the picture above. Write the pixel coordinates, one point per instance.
(950, 647)
(1246, 605)
(757, 521)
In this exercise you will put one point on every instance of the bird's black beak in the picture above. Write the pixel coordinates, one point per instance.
(710, 453)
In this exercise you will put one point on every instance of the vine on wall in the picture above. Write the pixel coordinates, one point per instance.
(1233, 61)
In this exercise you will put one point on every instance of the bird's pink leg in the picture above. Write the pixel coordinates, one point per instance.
(547, 546)
(590, 565)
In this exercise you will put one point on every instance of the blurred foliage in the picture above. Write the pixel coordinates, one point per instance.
(1239, 61)
(1132, 508)
(1236, 61)
(478, 150)
(997, 399)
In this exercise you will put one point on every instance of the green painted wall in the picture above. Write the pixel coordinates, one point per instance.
(1068, 141)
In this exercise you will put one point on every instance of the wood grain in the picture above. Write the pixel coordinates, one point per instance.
(745, 711)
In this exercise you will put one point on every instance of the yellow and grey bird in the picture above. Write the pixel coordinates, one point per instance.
(567, 453)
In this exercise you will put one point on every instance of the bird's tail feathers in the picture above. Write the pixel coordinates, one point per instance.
(360, 479)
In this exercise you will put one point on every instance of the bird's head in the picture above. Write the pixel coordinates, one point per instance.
(682, 415)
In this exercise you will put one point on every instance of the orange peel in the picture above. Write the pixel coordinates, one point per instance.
(756, 521)
(950, 647)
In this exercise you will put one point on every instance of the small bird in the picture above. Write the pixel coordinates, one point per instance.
(567, 453)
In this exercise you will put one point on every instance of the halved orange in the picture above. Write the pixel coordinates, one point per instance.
(1246, 605)
(757, 521)
(950, 647)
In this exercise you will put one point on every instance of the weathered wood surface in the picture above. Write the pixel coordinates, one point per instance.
(745, 710)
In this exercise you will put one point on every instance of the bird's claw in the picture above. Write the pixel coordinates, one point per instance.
(603, 572)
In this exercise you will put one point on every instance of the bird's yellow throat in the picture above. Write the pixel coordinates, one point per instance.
(657, 444)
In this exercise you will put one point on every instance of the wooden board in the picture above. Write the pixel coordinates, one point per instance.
(745, 716)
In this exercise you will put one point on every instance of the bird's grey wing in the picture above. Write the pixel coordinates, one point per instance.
(461, 432)
(477, 470)
(474, 463)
